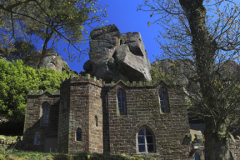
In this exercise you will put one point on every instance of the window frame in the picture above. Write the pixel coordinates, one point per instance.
(163, 98)
(44, 120)
(78, 129)
(145, 129)
(36, 141)
(122, 109)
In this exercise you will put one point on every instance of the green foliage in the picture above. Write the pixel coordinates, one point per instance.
(49, 20)
(11, 138)
(17, 79)
(20, 49)
(23, 155)
(17, 155)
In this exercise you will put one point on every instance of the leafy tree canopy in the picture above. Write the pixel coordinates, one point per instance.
(17, 79)
(49, 20)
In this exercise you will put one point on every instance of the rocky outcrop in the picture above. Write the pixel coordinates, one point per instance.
(52, 60)
(114, 56)
(181, 70)
(184, 70)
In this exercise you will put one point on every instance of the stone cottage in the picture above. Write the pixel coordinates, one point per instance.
(89, 115)
(111, 107)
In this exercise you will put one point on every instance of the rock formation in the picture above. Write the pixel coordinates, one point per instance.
(181, 70)
(184, 70)
(114, 56)
(52, 60)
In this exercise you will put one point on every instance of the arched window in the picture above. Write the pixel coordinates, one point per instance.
(164, 101)
(121, 102)
(145, 140)
(45, 114)
(96, 121)
(79, 134)
(37, 138)
(196, 157)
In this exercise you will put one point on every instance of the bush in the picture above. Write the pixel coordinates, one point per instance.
(16, 80)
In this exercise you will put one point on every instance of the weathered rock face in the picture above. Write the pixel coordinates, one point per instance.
(53, 60)
(182, 70)
(114, 56)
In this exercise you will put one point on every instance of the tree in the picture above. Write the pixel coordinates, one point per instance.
(16, 80)
(20, 49)
(50, 20)
(207, 33)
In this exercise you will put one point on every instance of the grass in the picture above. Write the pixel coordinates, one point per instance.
(13, 154)
(25, 155)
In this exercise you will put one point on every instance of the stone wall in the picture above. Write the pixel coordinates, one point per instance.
(143, 109)
(33, 115)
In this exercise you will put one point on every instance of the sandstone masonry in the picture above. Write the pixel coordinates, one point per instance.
(84, 104)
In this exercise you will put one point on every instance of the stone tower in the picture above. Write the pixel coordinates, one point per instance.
(80, 116)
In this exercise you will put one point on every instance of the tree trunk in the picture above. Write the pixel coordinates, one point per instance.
(44, 51)
(216, 141)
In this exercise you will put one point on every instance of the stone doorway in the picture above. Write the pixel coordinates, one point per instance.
(50, 143)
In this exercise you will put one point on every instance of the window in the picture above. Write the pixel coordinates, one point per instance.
(96, 121)
(196, 157)
(121, 102)
(164, 101)
(37, 138)
(45, 114)
(145, 139)
(79, 135)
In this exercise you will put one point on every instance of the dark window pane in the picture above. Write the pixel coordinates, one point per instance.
(196, 157)
(166, 110)
(79, 135)
(148, 132)
(150, 148)
(121, 102)
(162, 103)
(149, 139)
(141, 139)
(141, 148)
(141, 132)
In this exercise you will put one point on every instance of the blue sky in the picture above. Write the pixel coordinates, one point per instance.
(125, 16)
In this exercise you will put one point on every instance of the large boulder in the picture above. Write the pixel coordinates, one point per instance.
(114, 56)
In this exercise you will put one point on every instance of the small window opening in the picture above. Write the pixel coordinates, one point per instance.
(79, 135)
(96, 121)
(121, 102)
(37, 138)
(45, 114)
(164, 101)
(196, 156)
